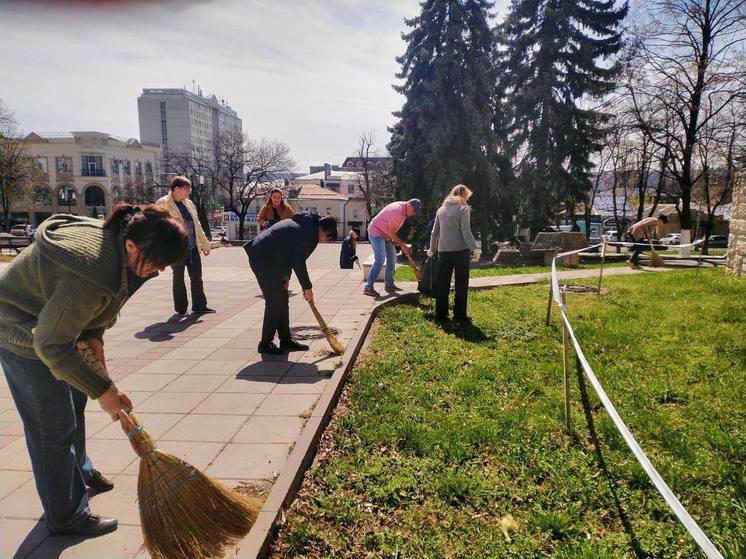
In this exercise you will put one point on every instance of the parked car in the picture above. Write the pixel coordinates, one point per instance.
(18, 230)
(716, 241)
(610, 235)
(670, 239)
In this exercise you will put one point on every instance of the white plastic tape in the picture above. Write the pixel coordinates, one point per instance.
(673, 502)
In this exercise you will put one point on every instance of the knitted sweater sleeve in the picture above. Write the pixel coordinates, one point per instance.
(65, 315)
(469, 239)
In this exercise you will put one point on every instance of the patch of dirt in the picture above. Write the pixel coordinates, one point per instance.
(584, 289)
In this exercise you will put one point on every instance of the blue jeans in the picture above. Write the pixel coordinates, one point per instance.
(382, 250)
(52, 412)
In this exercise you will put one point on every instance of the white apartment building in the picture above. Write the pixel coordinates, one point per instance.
(84, 173)
(177, 119)
(347, 184)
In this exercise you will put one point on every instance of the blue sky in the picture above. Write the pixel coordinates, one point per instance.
(311, 73)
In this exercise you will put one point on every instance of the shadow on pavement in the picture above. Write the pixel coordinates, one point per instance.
(40, 544)
(163, 331)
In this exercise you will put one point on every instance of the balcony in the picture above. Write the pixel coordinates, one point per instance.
(93, 172)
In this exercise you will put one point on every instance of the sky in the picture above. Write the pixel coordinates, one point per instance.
(314, 74)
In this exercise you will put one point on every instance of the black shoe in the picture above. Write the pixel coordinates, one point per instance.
(441, 318)
(181, 313)
(462, 320)
(206, 310)
(99, 483)
(91, 527)
(269, 348)
(292, 345)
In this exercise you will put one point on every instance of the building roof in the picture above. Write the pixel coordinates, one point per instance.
(52, 136)
(332, 176)
(315, 192)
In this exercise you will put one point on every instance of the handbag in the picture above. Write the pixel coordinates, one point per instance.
(429, 281)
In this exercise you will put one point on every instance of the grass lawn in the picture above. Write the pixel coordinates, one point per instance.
(449, 443)
(405, 272)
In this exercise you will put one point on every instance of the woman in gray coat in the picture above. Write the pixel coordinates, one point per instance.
(453, 241)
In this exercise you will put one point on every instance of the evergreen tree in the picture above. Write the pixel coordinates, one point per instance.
(443, 135)
(553, 64)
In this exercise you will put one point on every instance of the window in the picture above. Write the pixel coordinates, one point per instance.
(138, 168)
(93, 166)
(43, 196)
(41, 164)
(164, 135)
(66, 195)
(115, 167)
(64, 164)
(94, 196)
(149, 171)
(355, 214)
(126, 167)
(350, 189)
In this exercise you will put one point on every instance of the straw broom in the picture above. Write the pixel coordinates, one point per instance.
(656, 260)
(335, 344)
(184, 513)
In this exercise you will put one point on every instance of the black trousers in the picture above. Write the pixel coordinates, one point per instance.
(276, 308)
(448, 262)
(194, 267)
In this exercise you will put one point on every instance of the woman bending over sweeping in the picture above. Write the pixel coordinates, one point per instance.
(67, 286)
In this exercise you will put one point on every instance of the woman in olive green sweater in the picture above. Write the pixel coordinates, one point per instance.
(70, 285)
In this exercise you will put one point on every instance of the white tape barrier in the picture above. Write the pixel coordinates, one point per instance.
(691, 526)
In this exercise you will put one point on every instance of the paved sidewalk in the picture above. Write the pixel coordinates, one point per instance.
(201, 389)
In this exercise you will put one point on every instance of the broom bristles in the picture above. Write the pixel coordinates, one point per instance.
(656, 260)
(187, 515)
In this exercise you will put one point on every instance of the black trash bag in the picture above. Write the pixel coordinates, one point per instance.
(429, 281)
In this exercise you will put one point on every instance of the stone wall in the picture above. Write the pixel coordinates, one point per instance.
(736, 262)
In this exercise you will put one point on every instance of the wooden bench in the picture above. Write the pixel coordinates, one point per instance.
(13, 243)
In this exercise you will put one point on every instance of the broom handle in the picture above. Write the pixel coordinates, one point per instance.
(319, 318)
(417, 271)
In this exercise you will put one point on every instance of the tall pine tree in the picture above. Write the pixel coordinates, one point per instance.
(444, 135)
(554, 63)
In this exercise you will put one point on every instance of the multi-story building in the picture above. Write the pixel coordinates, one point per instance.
(347, 184)
(379, 164)
(84, 173)
(177, 119)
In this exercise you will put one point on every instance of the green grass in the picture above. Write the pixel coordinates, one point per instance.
(405, 272)
(448, 433)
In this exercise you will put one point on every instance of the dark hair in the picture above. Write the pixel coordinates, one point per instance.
(283, 204)
(180, 180)
(663, 218)
(329, 225)
(161, 239)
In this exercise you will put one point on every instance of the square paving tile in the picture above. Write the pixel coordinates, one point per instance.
(188, 351)
(301, 385)
(18, 537)
(195, 383)
(156, 424)
(249, 461)
(22, 503)
(12, 480)
(110, 456)
(172, 402)
(270, 429)
(216, 367)
(211, 428)
(168, 366)
(234, 403)
(120, 502)
(257, 385)
(287, 404)
(15, 456)
(145, 382)
(265, 367)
